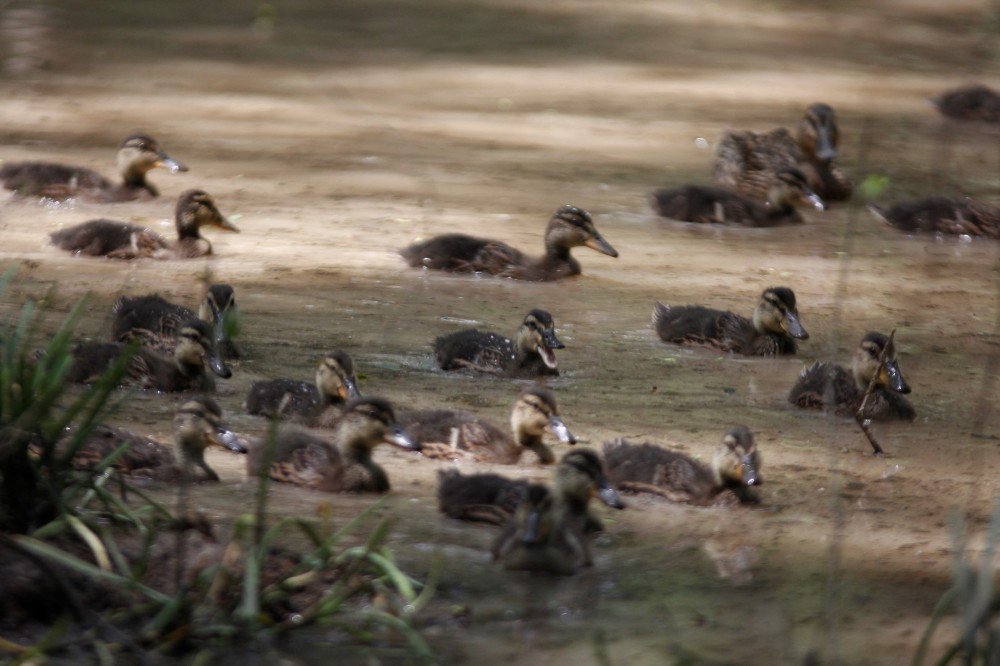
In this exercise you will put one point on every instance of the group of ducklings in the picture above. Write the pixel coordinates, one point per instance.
(173, 348)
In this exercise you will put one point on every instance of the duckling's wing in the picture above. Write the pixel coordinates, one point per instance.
(748, 162)
(478, 497)
(283, 399)
(142, 457)
(54, 181)
(821, 385)
(688, 323)
(139, 317)
(487, 350)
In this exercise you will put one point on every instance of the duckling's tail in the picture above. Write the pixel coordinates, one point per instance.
(660, 312)
(879, 212)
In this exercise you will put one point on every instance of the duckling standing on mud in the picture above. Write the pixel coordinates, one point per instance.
(942, 216)
(317, 404)
(569, 227)
(137, 155)
(122, 240)
(698, 203)
(831, 386)
(772, 331)
(343, 465)
(749, 162)
(680, 478)
(444, 433)
(530, 354)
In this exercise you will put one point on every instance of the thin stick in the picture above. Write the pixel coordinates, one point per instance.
(862, 421)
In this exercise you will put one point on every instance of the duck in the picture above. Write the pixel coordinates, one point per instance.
(974, 102)
(942, 215)
(569, 227)
(539, 539)
(198, 424)
(343, 465)
(153, 321)
(831, 386)
(771, 331)
(648, 468)
(316, 404)
(705, 204)
(530, 354)
(748, 162)
(123, 240)
(138, 154)
(446, 433)
(493, 498)
(148, 368)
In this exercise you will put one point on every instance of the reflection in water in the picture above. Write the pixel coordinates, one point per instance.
(26, 38)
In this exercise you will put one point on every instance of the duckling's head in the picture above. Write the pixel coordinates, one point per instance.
(580, 476)
(865, 364)
(196, 209)
(791, 188)
(538, 334)
(195, 347)
(737, 462)
(776, 313)
(335, 377)
(535, 410)
(367, 422)
(818, 132)
(139, 154)
(219, 309)
(198, 424)
(572, 227)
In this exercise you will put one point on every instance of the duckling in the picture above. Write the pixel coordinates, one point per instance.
(199, 424)
(137, 155)
(679, 478)
(749, 162)
(153, 321)
(975, 102)
(343, 465)
(943, 216)
(122, 240)
(316, 404)
(538, 539)
(773, 329)
(149, 369)
(828, 385)
(569, 227)
(529, 355)
(449, 433)
(699, 203)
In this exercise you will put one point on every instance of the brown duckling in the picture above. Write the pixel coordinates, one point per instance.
(122, 240)
(184, 371)
(153, 321)
(444, 433)
(569, 227)
(538, 538)
(749, 162)
(679, 478)
(343, 465)
(700, 203)
(530, 354)
(943, 216)
(831, 386)
(199, 425)
(975, 102)
(317, 404)
(137, 155)
(771, 331)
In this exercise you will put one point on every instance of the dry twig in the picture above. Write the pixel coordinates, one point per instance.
(859, 416)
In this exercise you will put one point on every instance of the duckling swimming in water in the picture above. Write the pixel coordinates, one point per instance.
(942, 215)
(680, 478)
(529, 355)
(448, 433)
(122, 240)
(317, 404)
(773, 329)
(699, 203)
(569, 227)
(749, 162)
(538, 538)
(184, 371)
(343, 465)
(153, 321)
(975, 102)
(831, 386)
(199, 425)
(137, 155)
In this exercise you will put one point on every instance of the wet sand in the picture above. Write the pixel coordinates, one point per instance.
(336, 136)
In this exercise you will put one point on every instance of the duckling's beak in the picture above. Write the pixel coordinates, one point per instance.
(550, 339)
(894, 378)
(218, 322)
(609, 495)
(348, 390)
(750, 476)
(531, 524)
(223, 223)
(597, 242)
(228, 439)
(560, 430)
(396, 436)
(167, 162)
(811, 197)
(825, 151)
(216, 363)
(790, 324)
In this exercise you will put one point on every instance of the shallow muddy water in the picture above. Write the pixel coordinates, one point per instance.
(333, 136)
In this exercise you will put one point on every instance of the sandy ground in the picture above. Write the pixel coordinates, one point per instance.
(334, 136)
